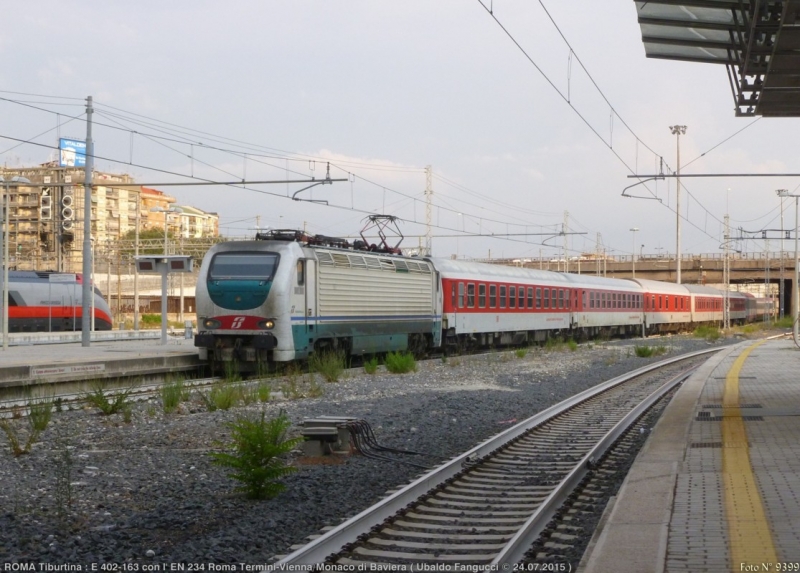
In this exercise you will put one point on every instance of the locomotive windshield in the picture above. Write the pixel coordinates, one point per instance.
(243, 266)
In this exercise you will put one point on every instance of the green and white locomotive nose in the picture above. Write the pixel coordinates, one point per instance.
(241, 280)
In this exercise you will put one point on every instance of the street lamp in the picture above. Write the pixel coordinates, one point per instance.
(166, 225)
(678, 130)
(4, 240)
(796, 297)
(633, 253)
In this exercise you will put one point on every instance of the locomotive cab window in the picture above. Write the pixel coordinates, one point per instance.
(301, 272)
(243, 266)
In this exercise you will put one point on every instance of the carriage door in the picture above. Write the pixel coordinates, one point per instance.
(307, 286)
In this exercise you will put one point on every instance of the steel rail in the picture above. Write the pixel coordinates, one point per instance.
(316, 551)
(518, 545)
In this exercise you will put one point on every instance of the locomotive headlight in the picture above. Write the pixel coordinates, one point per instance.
(211, 323)
(266, 324)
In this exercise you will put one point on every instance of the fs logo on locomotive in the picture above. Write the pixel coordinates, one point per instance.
(238, 322)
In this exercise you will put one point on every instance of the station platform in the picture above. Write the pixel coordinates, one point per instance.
(21, 365)
(716, 487)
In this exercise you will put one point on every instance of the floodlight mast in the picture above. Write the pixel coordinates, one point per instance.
(678, 130)
(796, 297)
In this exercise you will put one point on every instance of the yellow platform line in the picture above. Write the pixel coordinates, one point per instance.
(750, 537)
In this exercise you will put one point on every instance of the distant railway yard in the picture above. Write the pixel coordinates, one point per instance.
(139, 485)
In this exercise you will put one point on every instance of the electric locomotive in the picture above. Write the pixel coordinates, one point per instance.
(285, 295)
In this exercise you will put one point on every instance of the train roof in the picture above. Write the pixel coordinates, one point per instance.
(484, 271)
(592, 281)
(702, 289)
(661, 287)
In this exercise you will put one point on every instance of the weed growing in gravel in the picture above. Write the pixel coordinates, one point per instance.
(648, 351)
(98, 398)
(330, 364)
(263, 390)
(256, 462)
(521, 352)
(572, 345)
(371, 365)
(63, 490)
(262, 369)
(231, 373)
(554, 345)
(314, 390)
(401, 362)
(172, 394)
(710, 333)
(222, 396)
(40, 413)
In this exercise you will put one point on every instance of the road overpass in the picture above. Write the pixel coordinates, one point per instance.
(759, 273)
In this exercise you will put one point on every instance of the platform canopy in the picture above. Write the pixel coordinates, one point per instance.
(757, 40)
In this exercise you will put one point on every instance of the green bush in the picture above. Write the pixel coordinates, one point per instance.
(371, 365)
(648, 351)
(222, 396)
(151, 319)
(172, 394)
(554, 344)
(330, 364)
(572, 345)
(521, 352)
(97, 397)
(258, 445)
(40, 413)
(401, 362)
(710, 333)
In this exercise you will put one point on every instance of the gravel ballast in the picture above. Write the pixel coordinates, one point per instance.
(96, 489)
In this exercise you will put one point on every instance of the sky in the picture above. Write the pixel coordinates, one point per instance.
(521, 116)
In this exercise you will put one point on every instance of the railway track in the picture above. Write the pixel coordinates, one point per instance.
(489, 506)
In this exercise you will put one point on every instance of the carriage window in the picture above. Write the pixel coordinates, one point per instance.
(482, 296)
(471, 295)
(538, 297)
(591, 300)
(502, 296)
(585, 300)
(460, 295)
(560, 298)
(605, 300)
(521, 300)
(512, 297)
(530, 297)
(547, 298)
(492, 296)
(660, 303)
(454, 295)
